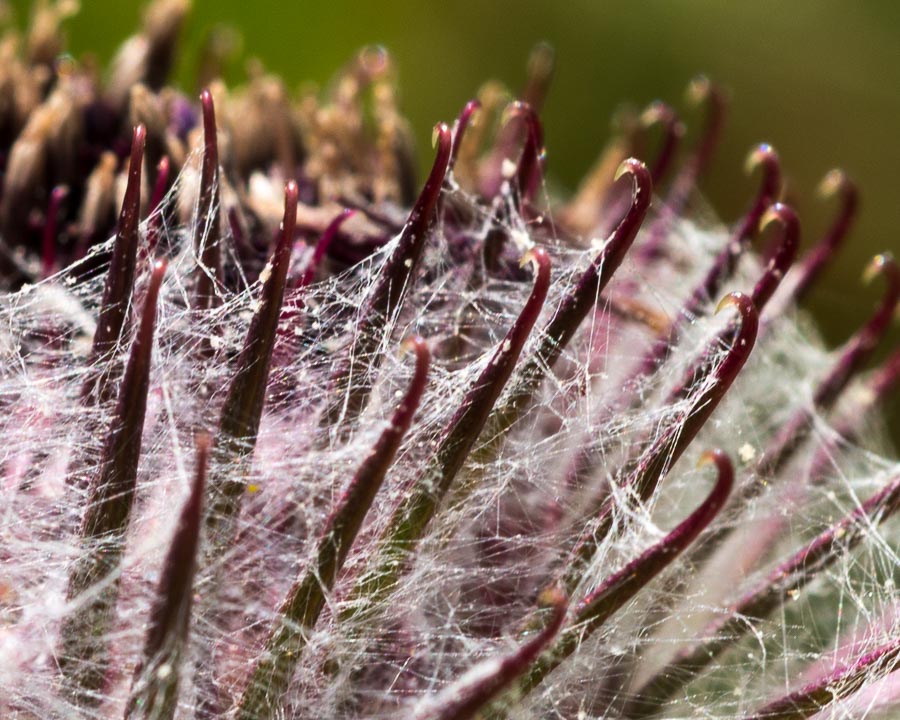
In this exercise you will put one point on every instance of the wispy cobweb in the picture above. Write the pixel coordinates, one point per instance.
(506, 526)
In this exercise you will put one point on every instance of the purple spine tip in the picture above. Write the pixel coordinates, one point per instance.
(243, 406)
(659, 113)
(347, 399)
(206, 234)
(835, 183)
(322, 246)
(465, 119)
(117, 293)
(784, 255)
(159, 192)
(528, 172)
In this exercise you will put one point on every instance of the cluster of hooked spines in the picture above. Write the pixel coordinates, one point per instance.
(461, 535)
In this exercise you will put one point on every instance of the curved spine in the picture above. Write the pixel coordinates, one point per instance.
(411, 519)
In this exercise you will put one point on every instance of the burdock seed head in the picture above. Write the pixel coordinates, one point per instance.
(288, 433)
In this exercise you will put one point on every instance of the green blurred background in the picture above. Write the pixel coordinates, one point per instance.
(819, 80)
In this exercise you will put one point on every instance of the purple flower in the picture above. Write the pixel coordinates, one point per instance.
(307, 438)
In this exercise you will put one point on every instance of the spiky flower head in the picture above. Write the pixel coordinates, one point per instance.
(288, 433)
